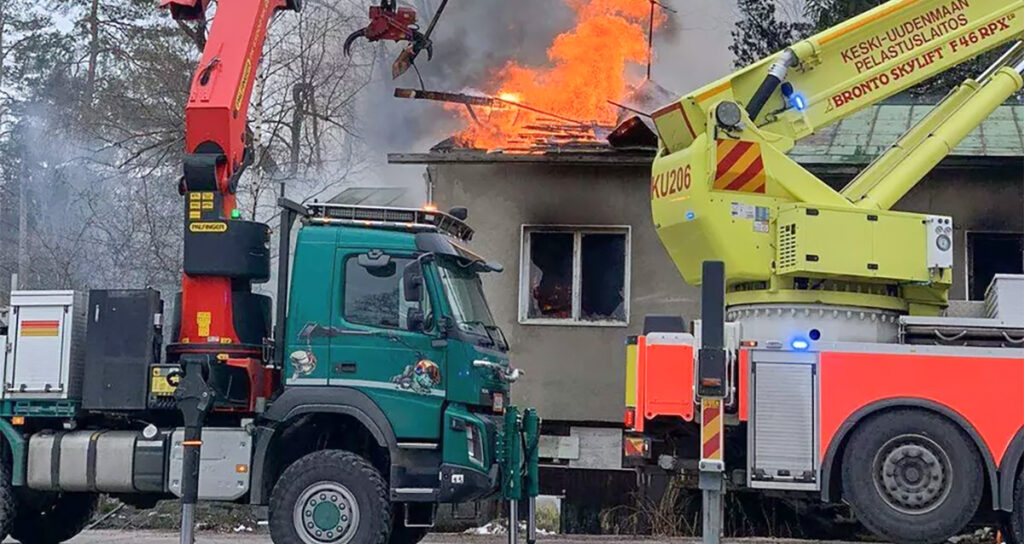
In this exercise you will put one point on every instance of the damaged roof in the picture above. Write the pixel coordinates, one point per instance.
(855, 141)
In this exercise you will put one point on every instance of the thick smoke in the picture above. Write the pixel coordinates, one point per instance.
(473, 40)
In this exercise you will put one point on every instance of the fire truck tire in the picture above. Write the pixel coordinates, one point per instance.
(1013, 524)
(330, 496)
(8, 501)
(912, 476)
(52, 518)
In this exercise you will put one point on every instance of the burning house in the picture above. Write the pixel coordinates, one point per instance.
(568, 213)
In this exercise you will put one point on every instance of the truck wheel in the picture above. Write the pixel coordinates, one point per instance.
(1013, 524)
(912, 477)
(52, 518)
(330, 497)
(8, 501)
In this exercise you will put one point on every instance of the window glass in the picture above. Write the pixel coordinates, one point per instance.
(373, 295)
(602, 277)
(551, 275)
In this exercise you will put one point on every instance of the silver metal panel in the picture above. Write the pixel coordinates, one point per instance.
(40, 462)
(783, 428)
(224, 452)
(115, 461)
(600, 448)
(559, 447)
(47, 333)
(780, 322)
(74, 461)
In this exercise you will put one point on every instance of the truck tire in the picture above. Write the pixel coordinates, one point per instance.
(1013, 523)
(912, 477)
(330, 497)
(52, 518)
(8, 501)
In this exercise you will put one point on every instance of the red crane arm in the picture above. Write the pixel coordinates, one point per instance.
(219, 263)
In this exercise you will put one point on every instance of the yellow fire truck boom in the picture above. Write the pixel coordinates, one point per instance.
(724, 189)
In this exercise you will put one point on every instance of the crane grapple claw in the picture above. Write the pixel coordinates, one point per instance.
(361, 33)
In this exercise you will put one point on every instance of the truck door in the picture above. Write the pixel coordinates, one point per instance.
(382, 339)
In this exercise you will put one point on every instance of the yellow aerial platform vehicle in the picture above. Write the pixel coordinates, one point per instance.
(724, 189)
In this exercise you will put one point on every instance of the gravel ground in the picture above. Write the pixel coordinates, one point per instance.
(147, 537)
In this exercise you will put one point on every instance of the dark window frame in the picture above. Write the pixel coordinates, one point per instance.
(975, 292)
(578, 231)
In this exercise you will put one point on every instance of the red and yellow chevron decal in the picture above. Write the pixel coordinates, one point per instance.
(711, 429)
(740, 167)
(40, 328)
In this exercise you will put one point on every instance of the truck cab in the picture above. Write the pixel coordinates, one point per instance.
(388, 305)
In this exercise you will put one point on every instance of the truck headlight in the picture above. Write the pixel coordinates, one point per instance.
(474, 445)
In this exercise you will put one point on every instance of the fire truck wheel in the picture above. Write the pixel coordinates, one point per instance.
(912, 476)
(52, 518)
(8, 501)
(1013, 523)
(330, 497)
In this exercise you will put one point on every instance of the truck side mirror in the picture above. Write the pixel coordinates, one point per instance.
(444, 325)
(414, 319)
(412, 282)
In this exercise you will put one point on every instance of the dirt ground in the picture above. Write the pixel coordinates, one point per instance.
(148, 537)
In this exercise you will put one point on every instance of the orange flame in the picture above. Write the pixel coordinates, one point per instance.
(587, 68)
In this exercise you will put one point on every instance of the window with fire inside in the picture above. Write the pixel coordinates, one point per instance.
(576, 275)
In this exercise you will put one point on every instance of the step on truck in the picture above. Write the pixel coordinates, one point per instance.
(384, 393)
(841, 375)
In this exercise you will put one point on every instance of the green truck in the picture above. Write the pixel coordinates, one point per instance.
(382, 392)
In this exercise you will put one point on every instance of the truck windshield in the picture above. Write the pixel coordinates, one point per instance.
(469, 306)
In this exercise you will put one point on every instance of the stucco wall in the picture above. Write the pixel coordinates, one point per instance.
(572, 373)
(576, 373)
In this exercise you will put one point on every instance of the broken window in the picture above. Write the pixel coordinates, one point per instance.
(575, 275)
(992, 253)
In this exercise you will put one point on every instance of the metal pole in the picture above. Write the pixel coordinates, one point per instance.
(531, 521)
(513, 521)
(712, 387)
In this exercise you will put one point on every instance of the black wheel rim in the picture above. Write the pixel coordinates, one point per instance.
(912, 474)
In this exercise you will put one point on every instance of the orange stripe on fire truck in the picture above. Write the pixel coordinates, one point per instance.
(711, 429)
(740, 167)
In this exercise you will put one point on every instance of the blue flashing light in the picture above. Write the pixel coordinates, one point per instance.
(799, 344)
(690, 216)
(798, 101)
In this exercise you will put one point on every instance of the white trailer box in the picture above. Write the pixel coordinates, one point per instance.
(46, 337)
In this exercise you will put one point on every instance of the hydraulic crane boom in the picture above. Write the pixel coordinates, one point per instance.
(224, 255)
(724, 189)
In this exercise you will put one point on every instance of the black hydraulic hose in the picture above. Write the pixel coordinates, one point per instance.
(776, 75)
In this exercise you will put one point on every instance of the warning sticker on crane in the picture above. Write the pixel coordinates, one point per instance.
(740, 167)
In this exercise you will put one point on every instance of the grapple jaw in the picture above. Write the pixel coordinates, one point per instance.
(186, 10)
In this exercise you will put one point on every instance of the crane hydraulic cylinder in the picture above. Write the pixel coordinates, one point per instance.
(903, 177)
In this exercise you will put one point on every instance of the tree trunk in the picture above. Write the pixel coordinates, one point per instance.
(94, 51)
